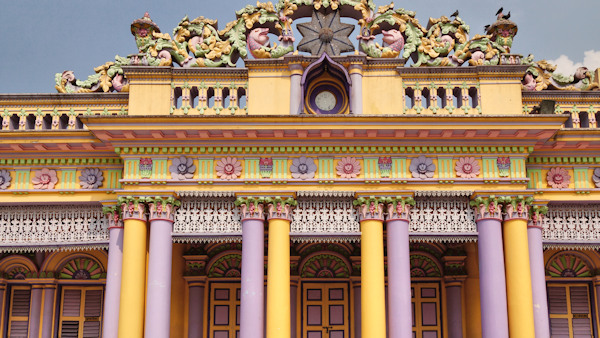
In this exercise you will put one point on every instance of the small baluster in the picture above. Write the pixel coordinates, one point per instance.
(22, 119)
(218, 88)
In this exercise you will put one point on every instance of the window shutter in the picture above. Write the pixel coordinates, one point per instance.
(93, 311)
(19, 321)
(71, 307)
(557, 300)
(580, 305)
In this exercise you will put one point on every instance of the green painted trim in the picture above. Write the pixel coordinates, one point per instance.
(517, 167)
(325, 168)
(22, 179)
(445, 168)
(535, 179)
(581, 178)
(490, 168)
(399, 168)
(206, 169)
(68, 179)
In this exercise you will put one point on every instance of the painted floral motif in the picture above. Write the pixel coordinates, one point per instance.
(145, 167)
(229, 168)
(4, 179)
(558, 178)
(265, 165)
(596, 177)
(422, 167)
(348, 167)
(503, 166)
(467, 167)
(44, 179)
(303, 168)
(385, 166)
(91, 178)
(182, 168)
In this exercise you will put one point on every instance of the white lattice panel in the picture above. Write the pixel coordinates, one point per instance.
(324, 214)
(442, 215)
(52, 225)
(572, 223)
(207, 215)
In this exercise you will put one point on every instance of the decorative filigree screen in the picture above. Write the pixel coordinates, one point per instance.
(48, 225)
(448, 215)
(574, 223)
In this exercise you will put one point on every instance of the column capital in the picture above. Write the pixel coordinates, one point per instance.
(536, 216)
(133, 207)
(162, 208)
(280, 207)
(454, 267)
(487, 208)
(114, 215)
(251, 207)
(398, 208)
(369, 208)
(516, 207)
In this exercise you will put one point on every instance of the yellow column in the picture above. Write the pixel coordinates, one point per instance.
(518, 278)
(131, 307)
(278, 279)
(372, 292)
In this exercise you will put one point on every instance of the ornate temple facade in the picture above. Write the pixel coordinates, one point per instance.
(406, 181)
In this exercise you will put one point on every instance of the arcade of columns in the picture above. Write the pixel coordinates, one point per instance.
(508, 231)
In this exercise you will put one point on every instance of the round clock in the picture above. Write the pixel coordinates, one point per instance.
(325, 100)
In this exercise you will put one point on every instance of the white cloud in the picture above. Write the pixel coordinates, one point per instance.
(591, 60)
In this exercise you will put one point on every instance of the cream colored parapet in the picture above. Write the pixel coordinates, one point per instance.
(480, 90)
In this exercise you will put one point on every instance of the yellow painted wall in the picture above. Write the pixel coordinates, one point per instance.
(382, 94)
(150, 99)
(268, 93)
(501, 99)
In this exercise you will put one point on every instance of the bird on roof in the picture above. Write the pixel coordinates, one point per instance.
(455, 14)
(500, 11)
(485, 28)
(507, 16)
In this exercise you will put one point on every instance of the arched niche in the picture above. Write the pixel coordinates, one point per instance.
(326, 87)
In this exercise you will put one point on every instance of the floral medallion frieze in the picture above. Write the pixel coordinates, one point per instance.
(91, 178)
(182, 168)
(44, 179)
(422, 167)
(5, 179)
(467, 167)
(348, 167)
(303, 168)
(228, 168)
(558, 178)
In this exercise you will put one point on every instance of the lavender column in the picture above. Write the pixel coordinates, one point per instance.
(492, 281)
(158, 299)
(36, 311)
(398, 258)
(112, 295)
(196, 308)
(357, 307)
(48, 314)
(538, 280)
(454, 306)
(253, 271)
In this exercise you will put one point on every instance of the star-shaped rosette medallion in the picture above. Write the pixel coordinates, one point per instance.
(325, 33)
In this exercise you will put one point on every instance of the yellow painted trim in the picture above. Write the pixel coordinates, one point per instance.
(518, 279)
(278, 279)
(131, 308)
(372, 280)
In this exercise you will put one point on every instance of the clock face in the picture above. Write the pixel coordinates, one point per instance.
(325, 100)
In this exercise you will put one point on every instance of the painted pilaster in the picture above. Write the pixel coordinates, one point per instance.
(518, 270)
(253, 253)
(112, 293)
(35, 311)
(2, 299)
(133, 276)
(196, 307)
(372, 267)
(296, 71)
(48, 311)
(278, 267)
(356, 104)
(492, 277)
(398, 262)
(454, 279)
(356, 290)
(538, 273)
(158, 300)
(293, 305)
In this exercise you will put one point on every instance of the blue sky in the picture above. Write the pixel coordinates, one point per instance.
(43, 37)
